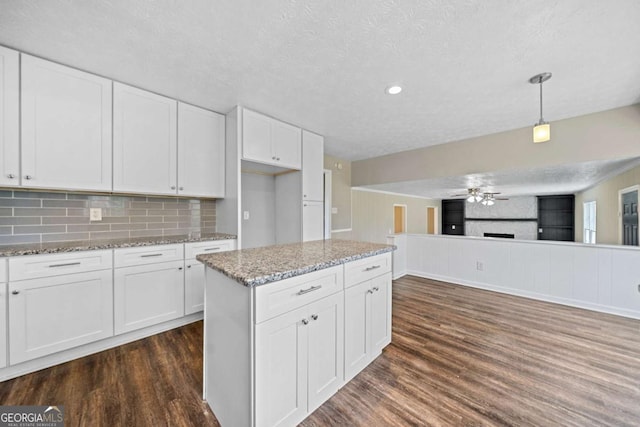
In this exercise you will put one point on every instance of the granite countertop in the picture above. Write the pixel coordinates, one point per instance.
(61, 247)
(258, 266)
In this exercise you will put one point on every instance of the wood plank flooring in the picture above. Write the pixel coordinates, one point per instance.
(459, 356)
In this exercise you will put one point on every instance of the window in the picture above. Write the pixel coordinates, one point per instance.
(589, 222)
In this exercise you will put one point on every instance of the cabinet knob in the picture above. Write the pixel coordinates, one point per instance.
(28, 177)
(15, 292)
(173, 187)
(273, 158)
(304, 195)
(180, 268)
(370, 291)
(181, 188)
(11, 176)
(277, 158)
(305, 321)
(188, 266)
(314, 316)
(376, 289)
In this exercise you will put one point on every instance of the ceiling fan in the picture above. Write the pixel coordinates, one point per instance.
(475, 195)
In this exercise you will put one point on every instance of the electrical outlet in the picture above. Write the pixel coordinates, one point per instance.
(334, 210)
(245, 215)
(95, 214)
(479, 266)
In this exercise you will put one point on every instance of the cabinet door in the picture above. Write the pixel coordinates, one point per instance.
(200, 152)
(286, 141)
(3, 325)
(9, 117)
(193, 287)
(144, 141)
(66, 127)
(148, 294)
(356, 329)
(312, 221)
(326, 355)
(256, 137)
(312, 166)
(380, 313)
(281, 369)
(56, 313)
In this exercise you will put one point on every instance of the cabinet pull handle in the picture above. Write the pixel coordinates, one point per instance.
(180, 268)
(369, 291)
(305, 321)
(375, 288)
(211, 249)
(149, 255)
(311, 289)
(373, 267)
(314, 316)
(11, 176)
(15, 292)
(66, 264)
(28, 177)
(188, 266)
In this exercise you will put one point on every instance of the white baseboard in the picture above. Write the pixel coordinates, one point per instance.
(532, 295)
(94, 347)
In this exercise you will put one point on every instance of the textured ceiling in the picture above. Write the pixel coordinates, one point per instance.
(324, 64)
(566, 179)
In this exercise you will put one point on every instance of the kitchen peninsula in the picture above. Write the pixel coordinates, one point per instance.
(286, 326)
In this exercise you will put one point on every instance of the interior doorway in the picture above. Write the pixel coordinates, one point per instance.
(432, 220)
(628, 198)
(399, 219)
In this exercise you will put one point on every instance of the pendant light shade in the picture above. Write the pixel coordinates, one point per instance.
(542, 129)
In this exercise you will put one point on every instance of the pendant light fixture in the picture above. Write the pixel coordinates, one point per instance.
(542, 129)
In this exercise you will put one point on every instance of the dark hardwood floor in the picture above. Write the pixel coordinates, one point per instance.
(459, 356)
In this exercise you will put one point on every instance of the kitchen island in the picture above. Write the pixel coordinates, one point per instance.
(287, 326)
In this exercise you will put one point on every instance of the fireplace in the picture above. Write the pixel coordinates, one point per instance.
(499, 235)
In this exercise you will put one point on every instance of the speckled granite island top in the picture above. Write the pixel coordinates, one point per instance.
(62, 247)
(258, 266)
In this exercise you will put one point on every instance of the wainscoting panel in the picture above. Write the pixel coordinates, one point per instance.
(600, 278)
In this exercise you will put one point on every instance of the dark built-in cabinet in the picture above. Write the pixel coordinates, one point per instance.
(556, 218)
(453, 217)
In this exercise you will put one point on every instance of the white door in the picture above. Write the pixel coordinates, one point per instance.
(3, 325)
(281, 369)
(312, 221)
(144, 141)
(193, 286)
(57, 313)
(200, 152)
(356, 329)
(286, 141)
(148, 294)
(9, 117)
(256, 137)
(326, 355)
(380, 313)
(66, 127)
(312, 166)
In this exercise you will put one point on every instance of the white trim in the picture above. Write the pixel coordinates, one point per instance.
(94, 347)
(620, 193)
(327, 183)
(372, 190)
(342, 230)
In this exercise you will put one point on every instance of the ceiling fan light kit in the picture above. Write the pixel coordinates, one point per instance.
(475, 195)
(542, 129)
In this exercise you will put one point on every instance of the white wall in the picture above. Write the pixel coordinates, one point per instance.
(259, 198)
(600, 278)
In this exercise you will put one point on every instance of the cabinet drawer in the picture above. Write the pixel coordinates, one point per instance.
(147, 255)
(366, 268)
(280, 297)
(35, 266)
(193, 249)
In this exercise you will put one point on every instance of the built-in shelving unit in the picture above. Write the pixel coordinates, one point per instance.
(556, 217)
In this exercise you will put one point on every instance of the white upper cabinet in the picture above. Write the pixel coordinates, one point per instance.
(269, 141)
(200, 152)
(312, 221)
(66, 127)
(144, 142)
(312, 166)
(9, 117)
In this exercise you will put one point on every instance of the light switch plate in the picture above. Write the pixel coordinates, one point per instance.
(95, 214)
(334, 210)
(245, 215)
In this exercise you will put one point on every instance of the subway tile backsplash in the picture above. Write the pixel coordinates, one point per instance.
(43, 217)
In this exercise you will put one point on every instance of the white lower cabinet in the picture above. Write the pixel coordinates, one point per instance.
(148, 294)
(367, 313)
(299, 361)
(3, 324)
(51, 314)
(193, 286)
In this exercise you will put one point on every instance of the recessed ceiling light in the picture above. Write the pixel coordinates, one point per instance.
(393, 90)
